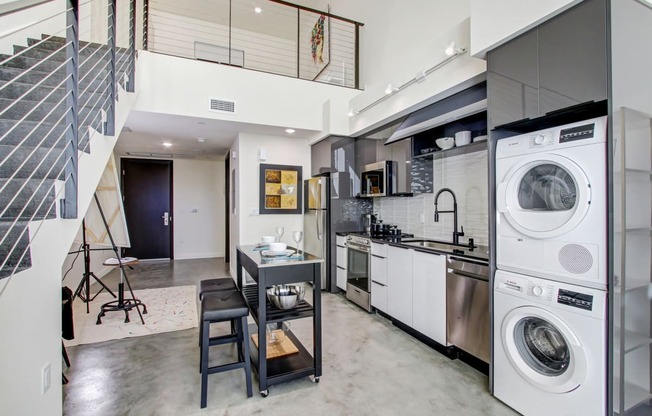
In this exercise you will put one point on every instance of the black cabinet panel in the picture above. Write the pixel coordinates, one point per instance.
(513, 80)
(320, 157)
(573, 57)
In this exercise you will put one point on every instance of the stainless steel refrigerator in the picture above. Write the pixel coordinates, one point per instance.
(316, 223)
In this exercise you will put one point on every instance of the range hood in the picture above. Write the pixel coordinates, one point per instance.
(470, 101)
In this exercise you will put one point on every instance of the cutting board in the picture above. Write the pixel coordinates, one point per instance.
(277, 349)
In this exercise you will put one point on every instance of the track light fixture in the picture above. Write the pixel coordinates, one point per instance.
(451, 52)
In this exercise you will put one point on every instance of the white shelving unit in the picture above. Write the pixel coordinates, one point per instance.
(632, 185)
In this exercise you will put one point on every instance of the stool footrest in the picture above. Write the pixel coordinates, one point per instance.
(223, 339)
(226, 367)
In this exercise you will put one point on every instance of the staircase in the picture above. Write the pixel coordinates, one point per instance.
(35, 128)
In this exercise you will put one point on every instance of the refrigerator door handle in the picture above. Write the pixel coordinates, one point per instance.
(318, 219)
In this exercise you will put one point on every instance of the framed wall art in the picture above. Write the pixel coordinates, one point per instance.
(280, 189)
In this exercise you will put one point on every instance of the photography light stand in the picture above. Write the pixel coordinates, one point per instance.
(121, 304)
(84, 288)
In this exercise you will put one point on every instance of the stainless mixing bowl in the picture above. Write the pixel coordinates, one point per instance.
(285, 296)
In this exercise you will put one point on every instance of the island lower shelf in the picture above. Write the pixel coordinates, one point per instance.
(272, 313)
(287, 367)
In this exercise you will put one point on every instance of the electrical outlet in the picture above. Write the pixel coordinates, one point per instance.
(253, 211)
(422, 218)
(46, 378)
(194, 211)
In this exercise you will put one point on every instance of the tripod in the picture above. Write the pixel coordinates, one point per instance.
(122, 304)
(84, 289)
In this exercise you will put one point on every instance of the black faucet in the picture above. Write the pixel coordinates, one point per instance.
(456, 234)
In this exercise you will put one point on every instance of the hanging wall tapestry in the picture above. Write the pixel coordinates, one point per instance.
(317, 40)
(280, 189)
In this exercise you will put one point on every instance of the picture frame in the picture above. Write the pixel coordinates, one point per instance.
(280, 189)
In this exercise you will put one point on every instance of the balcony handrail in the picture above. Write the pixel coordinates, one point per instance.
(311, 10)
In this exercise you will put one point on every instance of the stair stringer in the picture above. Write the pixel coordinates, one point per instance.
(30, 301)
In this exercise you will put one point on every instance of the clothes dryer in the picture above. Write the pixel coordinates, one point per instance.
(549, 346)
(551, 200)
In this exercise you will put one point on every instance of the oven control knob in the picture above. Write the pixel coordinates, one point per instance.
(539, 139)
(537, 290)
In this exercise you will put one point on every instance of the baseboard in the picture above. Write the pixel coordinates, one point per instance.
(190, 256)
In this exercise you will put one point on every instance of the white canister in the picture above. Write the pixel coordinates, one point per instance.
(462, 137)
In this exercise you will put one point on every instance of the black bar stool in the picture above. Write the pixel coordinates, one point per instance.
(213, 285)
(222, 306)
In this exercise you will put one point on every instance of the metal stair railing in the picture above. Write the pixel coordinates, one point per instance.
(55, 93)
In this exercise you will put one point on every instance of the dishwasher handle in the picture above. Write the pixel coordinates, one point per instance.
(473, 269)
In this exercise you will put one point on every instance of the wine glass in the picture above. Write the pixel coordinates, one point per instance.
(297, 236)
(279, 232)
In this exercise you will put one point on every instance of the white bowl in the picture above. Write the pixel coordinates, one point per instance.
(462, 138)
(277, 247)
(479, 138)
(268, 239)
(445, 142)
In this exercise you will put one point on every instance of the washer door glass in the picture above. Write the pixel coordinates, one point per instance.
(542, 346)
(544, 196)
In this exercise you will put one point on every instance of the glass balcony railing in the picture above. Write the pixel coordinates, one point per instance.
(270, 36)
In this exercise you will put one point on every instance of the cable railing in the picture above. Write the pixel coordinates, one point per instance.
(55, 93)
(270, 36)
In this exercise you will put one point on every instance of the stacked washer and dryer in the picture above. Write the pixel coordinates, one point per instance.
(550, 286)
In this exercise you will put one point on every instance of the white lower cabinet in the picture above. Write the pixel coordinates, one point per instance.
(429, 295)
(378, 275)
(340, 261)
(379, 296)
(399, 284)
(341, 278)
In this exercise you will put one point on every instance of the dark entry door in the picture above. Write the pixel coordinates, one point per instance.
(147, 190)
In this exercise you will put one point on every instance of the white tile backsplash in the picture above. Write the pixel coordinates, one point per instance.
(466, 176)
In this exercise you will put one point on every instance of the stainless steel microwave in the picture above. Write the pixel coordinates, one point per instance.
(378, 179)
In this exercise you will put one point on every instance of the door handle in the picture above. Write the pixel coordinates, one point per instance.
(166, 218)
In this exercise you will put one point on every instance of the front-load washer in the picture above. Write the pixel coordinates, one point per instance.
(549, 346)
(551, 201)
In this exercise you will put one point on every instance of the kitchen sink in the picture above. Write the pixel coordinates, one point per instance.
(437, 245)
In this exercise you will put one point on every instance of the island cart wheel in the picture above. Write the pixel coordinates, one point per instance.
(264, 393)
(315, 379)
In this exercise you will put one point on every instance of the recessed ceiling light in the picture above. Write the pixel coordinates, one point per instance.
(258, 10)
(290, 131)
(167, 144)
(201, 139)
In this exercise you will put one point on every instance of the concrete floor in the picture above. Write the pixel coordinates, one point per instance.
(369, 368)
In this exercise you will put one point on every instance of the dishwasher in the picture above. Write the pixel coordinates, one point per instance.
(467, 306)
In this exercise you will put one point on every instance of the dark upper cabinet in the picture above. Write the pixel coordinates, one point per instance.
(573, 57)
(559, 64)
(513, 81)
(320, 157)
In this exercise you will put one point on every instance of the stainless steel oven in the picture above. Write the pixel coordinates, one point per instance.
(358, 267)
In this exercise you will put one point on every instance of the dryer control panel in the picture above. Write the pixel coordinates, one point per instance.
(586, 131)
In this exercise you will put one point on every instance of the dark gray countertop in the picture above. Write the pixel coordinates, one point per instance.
(478, 252)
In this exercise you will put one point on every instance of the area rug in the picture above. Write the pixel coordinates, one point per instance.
(168, 309)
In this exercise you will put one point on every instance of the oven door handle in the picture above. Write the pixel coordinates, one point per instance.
(359, 249)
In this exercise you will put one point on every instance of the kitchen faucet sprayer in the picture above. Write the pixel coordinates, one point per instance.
(456, 234)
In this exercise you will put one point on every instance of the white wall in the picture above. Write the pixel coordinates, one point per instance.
(260, 98)
(280, 151)
(466, 176)
(495, 22)
(396, 43)
(631, 31)
(199, 204)
(30, 301)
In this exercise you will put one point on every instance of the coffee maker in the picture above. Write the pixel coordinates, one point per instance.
(367, 220)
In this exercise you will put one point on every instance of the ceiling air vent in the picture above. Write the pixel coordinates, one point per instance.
(222, 106)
